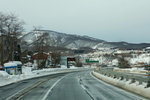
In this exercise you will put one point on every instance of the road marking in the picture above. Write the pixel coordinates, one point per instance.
(84, 88)
(119, 89)
(9, 98)
(46, 95)
(88, 93)
(100, 80)
(23, 91)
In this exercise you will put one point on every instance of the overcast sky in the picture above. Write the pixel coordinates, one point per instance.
(110, 20)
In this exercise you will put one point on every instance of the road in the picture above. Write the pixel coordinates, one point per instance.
(69, 86)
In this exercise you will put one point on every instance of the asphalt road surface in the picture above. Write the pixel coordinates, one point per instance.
(69, 86)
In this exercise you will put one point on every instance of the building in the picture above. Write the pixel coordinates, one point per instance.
(13, 67)
(40, 59)
(63, 60)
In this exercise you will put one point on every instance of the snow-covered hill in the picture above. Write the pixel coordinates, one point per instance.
(57, 39)
(63, 40)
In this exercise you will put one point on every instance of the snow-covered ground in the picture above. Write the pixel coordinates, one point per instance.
(132, 70)
(27, 73)
(108, 57)
(142, 58)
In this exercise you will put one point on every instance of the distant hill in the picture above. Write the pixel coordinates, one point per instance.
(62, 40)
(126, 45)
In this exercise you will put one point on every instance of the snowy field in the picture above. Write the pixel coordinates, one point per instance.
(132, 70)
(142, 58)
(135, 59)
(27, 73)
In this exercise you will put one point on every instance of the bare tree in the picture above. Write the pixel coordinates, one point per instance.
(123, 63)
(55, 58)
(10, 26)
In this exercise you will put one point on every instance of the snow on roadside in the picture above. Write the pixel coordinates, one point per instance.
(4, 74)
(131, 70)
(127, 85)
(27, 73)
(145, 58)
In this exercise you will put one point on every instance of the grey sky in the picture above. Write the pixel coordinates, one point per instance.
(111, 20)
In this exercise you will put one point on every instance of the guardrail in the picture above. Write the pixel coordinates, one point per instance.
(124, 76)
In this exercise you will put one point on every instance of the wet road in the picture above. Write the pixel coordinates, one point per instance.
(72, 86)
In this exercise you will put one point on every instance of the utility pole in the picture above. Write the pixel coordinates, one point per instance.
(12, 47)
(39, 44)
(2, 50)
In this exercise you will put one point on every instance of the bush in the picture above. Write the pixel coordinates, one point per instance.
(123, 63)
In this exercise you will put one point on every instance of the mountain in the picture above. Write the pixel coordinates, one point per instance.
(59, 40)
(126, 45)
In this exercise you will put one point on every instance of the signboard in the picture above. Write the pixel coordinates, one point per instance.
(91, 61)
(71, 59)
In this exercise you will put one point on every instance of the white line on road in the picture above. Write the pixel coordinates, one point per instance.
(9, 98)
(104, 82)
(46, 95)
(17, 94)
(118, 89)
(84, 88)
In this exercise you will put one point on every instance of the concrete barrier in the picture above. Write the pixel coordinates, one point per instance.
(128, 85)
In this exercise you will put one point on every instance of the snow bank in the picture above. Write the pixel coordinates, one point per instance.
(29, 64)
(10, 64)
(127, 85)
(115, 62)
(143, 58)
(3, 74)
(17, 62)
(28, 72)
(131, 70)
(73, 67)
(63, 66)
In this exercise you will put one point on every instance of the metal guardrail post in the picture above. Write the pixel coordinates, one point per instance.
(148, 82)
(114, 76)
(132, 80)
(123, 76)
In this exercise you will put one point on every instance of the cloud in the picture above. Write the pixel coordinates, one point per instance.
(113, 20)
